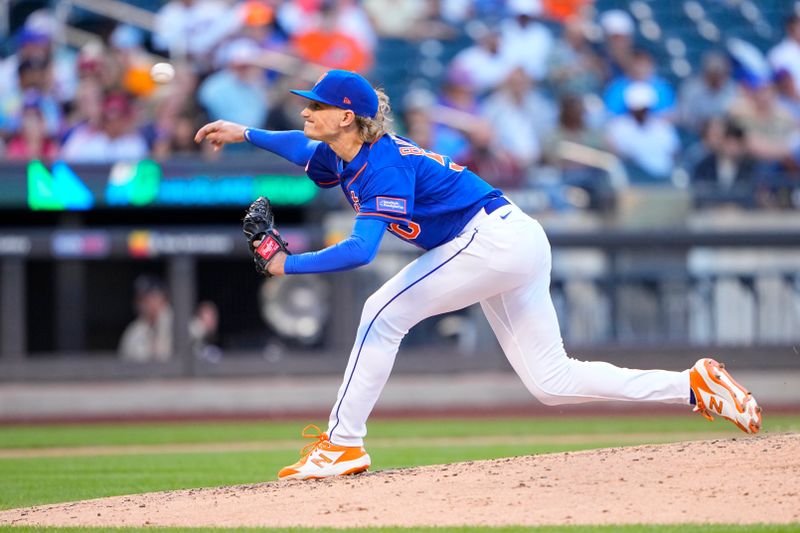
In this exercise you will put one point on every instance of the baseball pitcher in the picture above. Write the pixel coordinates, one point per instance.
(479, 248)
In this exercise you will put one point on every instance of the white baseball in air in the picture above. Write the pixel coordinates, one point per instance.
(162, 72)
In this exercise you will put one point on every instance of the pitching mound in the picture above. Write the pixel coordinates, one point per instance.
(741, 480)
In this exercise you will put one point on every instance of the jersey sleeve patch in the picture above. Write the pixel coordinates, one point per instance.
(388, 204)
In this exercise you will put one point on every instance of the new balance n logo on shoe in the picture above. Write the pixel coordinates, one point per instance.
(321, 460)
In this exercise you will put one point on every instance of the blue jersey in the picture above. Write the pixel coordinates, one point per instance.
(426, 198)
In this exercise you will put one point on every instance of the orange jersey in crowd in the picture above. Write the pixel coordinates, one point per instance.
(332, 49)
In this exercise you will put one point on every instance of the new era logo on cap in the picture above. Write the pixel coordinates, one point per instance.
(344, 89)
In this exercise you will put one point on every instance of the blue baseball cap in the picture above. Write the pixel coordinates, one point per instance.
(345, 89)
(30, 36)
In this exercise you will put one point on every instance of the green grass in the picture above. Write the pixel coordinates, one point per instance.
(679, 528)
(165, 433)
(26, 481)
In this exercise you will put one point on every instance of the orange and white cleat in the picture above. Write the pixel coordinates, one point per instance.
(715, 391)
(322, 458)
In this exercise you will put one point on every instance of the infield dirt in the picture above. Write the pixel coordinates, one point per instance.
(733, 481)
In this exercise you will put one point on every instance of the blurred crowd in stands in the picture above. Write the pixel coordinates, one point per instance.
(533, 89)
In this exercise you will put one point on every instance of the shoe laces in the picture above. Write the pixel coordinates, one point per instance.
(319, 438)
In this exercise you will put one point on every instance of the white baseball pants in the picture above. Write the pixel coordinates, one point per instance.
(503, 261)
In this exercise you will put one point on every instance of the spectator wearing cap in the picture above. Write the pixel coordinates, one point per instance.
(31, 140)
(484, 62)
(90, 64)
(641, 69)
(237, 92)
(256, 14)
(617, 48)
(786, 54)
(646, 142)
(260, 25)
(573, 66)
(114, 139)
(527, 41)
(35, 81)
(42, 25)
(33, 43)
(150, 336)
(708, 94)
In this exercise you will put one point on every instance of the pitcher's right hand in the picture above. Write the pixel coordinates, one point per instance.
(220, 133)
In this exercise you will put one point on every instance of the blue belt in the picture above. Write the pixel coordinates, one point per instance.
(494, 204)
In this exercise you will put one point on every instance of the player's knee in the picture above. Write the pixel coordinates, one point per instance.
(379, 320)
(547, 397)
(372, 308)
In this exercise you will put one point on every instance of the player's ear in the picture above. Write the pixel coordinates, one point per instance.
(347, 118)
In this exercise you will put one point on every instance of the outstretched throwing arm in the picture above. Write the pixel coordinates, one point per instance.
(291, 145)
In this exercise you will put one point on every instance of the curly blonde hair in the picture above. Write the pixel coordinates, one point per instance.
(372, 129)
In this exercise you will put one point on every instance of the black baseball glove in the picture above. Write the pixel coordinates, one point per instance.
(259, 225)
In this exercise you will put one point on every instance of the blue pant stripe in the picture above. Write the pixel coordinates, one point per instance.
(358, 355)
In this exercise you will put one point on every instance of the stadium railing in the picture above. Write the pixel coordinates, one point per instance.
(635, 297)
